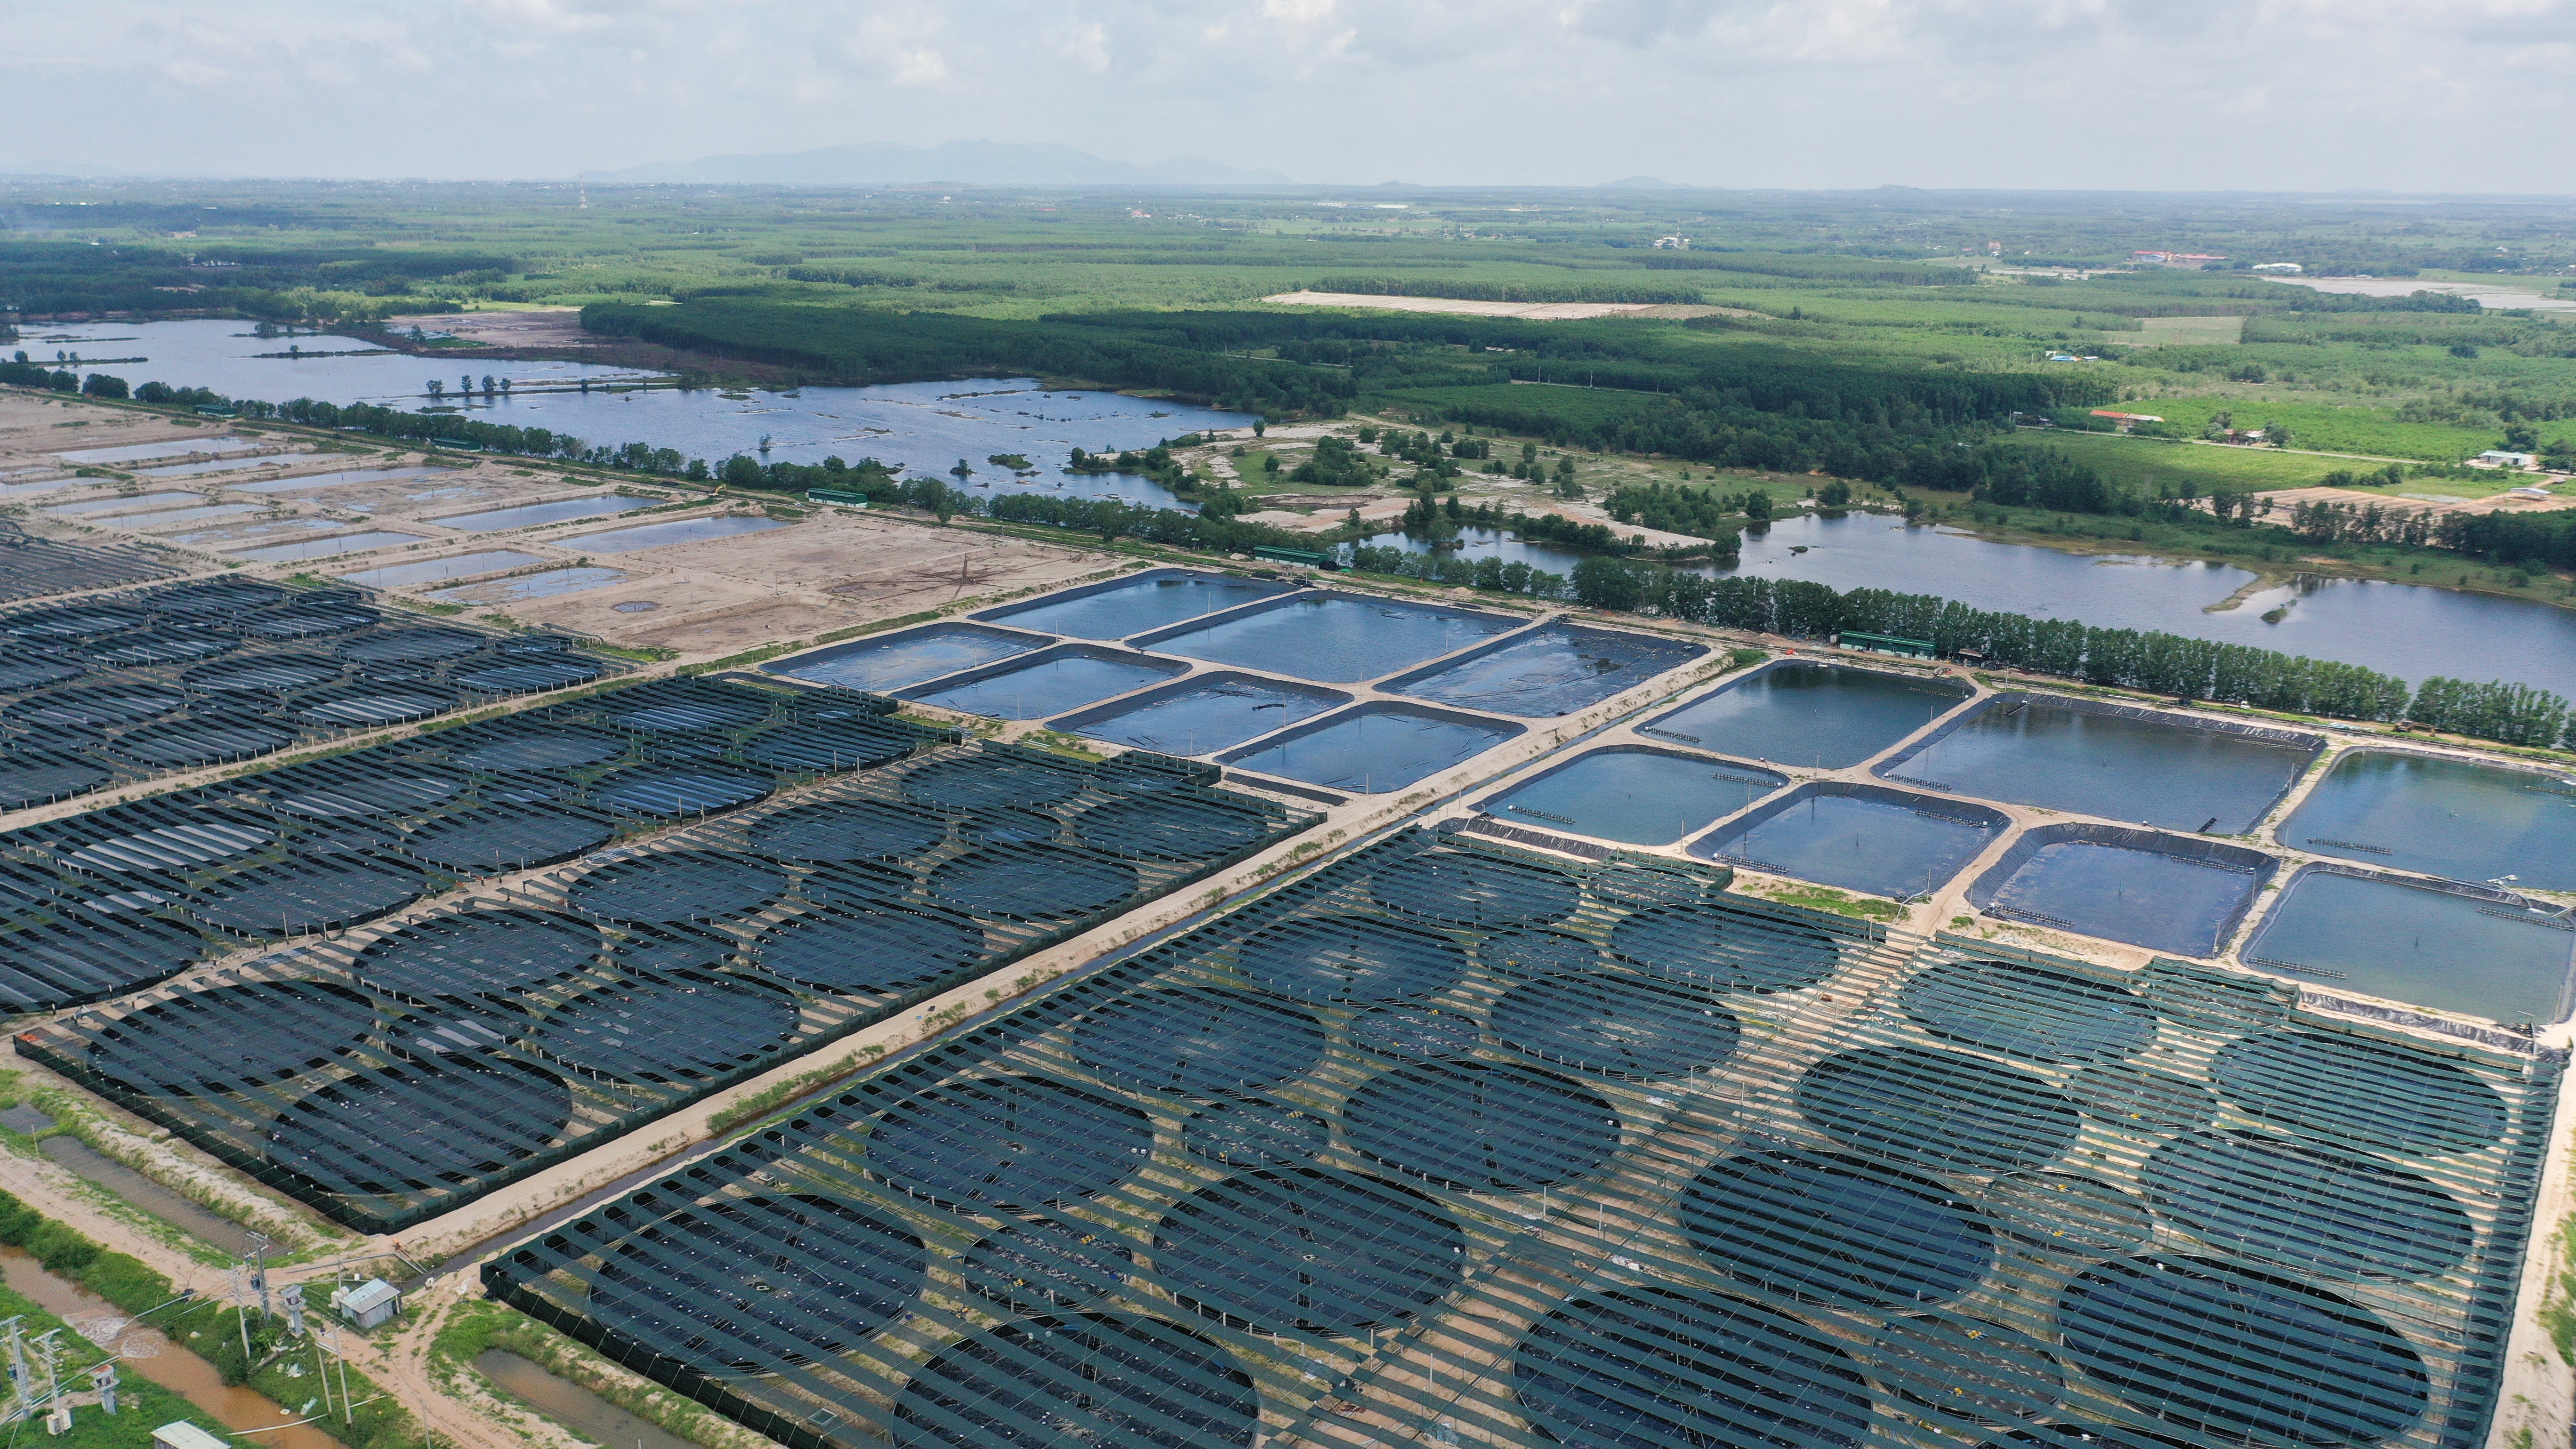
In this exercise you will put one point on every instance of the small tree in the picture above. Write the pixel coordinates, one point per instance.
(1260, 426)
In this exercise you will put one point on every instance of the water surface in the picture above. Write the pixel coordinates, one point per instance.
(912, 656)
(334, 480)
(524, 587)
(1332, 638)
(1634, 795)
(2132, 892)
(322, 547)
(125, 503)
(1374, 748)
(1858, 837)
(1135, 605)
(228, 465)
(2450, 818)
(2417, 944)
(2032, 751)
(177, 448)
(664, 535)
(1211, 712)
(463, 565)
(1553, 670)
(528, 515)
(1063, 678)
(1799, 712)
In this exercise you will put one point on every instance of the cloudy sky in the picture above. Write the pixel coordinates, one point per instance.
(2446, 95)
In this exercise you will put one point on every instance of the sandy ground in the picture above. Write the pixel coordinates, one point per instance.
(1535, 311)
(2188, 331)
(2394, 500)
(534, 327)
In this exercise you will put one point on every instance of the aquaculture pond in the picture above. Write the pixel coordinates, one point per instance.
(664, 535)
(1211, 712)
(1133, 605)
(1634, 795)
(346, 479)
(2448, 949)
(1333, 638)
(523, 587)
(2452, 818)
(458, 566)
(1552, 670)
(321, 547)
(528, 515)
(893, 661)
(1379, 746)
(1858, 837)
(1068, 676)
(2163, 892)
(1805, 712)
(2111, 761)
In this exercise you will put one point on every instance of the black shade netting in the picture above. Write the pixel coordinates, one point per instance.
(1655, 1368)
(2310, 1210)
(1011, 1142)
(1048, 1265)
(479, 953)
(1943, 1111)
(1199, 1042)
(420, 1125)
(686, 1027)
(1713, 944)
(1482, 1126)
(1836, 1231)
(2030, 1011)
(1323, 1252)
(1459, 889)
(1138, 1383)
(758, 1283)
(1351, 958)
(678, 885)
(1618, 1026)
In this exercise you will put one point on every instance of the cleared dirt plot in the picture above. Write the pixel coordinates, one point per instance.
(534, 327)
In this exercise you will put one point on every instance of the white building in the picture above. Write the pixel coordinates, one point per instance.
(2499, 458)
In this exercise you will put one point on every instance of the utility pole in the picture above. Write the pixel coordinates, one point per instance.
(293, 1296)
(18, 1361)
(103, 1378)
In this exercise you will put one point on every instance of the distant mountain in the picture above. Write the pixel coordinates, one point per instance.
(954, 163)
(1641, 183)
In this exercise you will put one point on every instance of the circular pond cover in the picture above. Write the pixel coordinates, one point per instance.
(758, 1283)
(695, 712)
(1940, 1110)
(95, 706)
(869, 950)
(2386, 1097)
(411, 646)
(1968, 1369)
(1138, 1383)
(847, 830)
(1482, 1127)
(1324, 1252)
(552, 750)
(1034, 883)
(2312, 1211)
(1043, 1265)
(1171, 828)
(264, 674)
(977, 782)
(689, 1026)
(419, 1126)
(18, 674)
(674, 792)
(311, 620)
(1010, 825)
(2030, 1011)
(1728, 947)
(358, 798)
(1456, 888)
(505, 837)
(78, 622)
(1255, 1134)
(360, 706)
(223, 601)
(1641, 887)
(145, 651)
(1424, 1033)
(2068, 1213)
(479, 953)
(1836, 1230)
(1521, 955)
(1350, 958)
(230, 1035)
(1660, 1369)
(1014, 1142)
(1199, 1042)
(2136, 1100)
(36, 776)
(175, 848)
(678, 885)
(307, 893)
(201, 741)
(2265, 1357)
(1618, 1026)
(527, 676)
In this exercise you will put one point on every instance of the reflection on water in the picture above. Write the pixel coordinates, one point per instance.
(571, 1405)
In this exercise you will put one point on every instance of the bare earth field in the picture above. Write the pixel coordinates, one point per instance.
(534, 327)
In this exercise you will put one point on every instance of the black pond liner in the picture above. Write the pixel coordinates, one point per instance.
(2065, 1212)
(479, 953)
(264, 674)
(80, 955)
(1967, 1370)
(413, 646)
(975, 783)
(1200, 1043)
(1020, 1142)
(1836, 1230)
(1728, 946)
(1034, 883)
(1466, 890)
(1523, 955)
(757, 1283)
(869, 950)
(201, 740)
(2316, 1212)
(1351, 958)
(36, 777)
(1252, 1133)
(2383, 1097)
(304, 893)
(1137, 1383)
(673, 793)
(2028, 1011)
(1170, 829)
(1422, 1033)
(678, 885)
(1482, 1126)
(419, 1124)
(1658, 1367)
(686, 1025)
(1327, 1252)
(2235, 1352)
(200, 1041)
(505, 838)
(1937, 1110)
(531, 747)
(1617, 1026)
(846, 830)
(2136, 1100)
(1047, 1265)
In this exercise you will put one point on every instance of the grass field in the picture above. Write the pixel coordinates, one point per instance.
(2144, 463)
(2326, 427)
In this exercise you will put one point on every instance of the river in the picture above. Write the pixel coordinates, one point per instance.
(2407, 630)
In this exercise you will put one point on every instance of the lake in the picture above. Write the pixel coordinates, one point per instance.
(927, 426)
(2407, 630)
